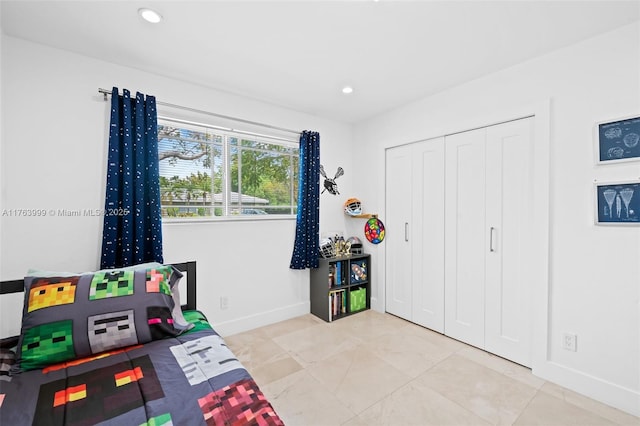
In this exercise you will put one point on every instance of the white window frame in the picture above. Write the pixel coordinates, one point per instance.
(226, 207)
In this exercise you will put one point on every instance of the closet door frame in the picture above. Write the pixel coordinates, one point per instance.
(539, 277)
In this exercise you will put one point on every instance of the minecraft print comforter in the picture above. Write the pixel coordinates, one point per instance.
(191, 379)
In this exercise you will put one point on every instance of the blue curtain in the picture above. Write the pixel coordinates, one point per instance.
(132, 231)
(305, 250)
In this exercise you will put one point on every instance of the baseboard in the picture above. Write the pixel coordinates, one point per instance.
(261, 319)
(624, 399)
(376, 305)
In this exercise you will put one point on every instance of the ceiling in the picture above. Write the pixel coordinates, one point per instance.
(299, 54)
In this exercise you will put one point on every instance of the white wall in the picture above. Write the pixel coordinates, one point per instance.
(54, 156)
(592, 286)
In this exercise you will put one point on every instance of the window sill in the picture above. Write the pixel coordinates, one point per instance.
(217, 219)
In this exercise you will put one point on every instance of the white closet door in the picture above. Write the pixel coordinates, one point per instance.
(427, 232)
(466, 243)
(398, 293)
(508, 206)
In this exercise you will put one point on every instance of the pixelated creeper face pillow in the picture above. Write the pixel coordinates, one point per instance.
(77, 316)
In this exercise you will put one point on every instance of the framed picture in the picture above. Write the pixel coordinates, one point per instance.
(617, 203)
(618, 140)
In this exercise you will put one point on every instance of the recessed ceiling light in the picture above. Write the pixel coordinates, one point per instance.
(150, 15)
(347, 89)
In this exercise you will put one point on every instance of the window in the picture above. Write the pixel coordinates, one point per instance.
(206, 172)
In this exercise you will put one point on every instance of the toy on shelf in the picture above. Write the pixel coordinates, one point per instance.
(374, 228)
(355, 245)
(327, 248)
(353, 208)
(336, 246)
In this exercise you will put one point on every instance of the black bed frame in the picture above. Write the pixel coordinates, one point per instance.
(17, 286)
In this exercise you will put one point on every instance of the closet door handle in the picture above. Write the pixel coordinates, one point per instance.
(406, 231)
(491, 249)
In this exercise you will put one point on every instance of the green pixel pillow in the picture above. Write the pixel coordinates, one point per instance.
(178, 317)
(67, 317)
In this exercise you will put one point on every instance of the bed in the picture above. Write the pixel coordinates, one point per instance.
(117, 347)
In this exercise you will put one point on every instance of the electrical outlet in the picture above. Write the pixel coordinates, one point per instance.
(224, 302)
(570, 342)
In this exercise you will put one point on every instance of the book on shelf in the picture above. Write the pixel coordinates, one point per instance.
(337, 303)
(332, 275)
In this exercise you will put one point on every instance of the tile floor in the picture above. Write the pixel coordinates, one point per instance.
(376, 369)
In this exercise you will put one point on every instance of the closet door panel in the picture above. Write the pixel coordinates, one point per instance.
(398, 279)
(465, 243)
(457, 247)
(507, 323)
(427, 230)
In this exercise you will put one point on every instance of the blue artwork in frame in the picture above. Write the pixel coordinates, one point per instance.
(618, 203)
(619, 140)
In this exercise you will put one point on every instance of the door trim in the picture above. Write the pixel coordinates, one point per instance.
(541, 111)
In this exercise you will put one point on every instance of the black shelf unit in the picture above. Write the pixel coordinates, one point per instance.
(341, 286)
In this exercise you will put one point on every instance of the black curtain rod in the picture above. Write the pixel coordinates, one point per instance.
(106, 93)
